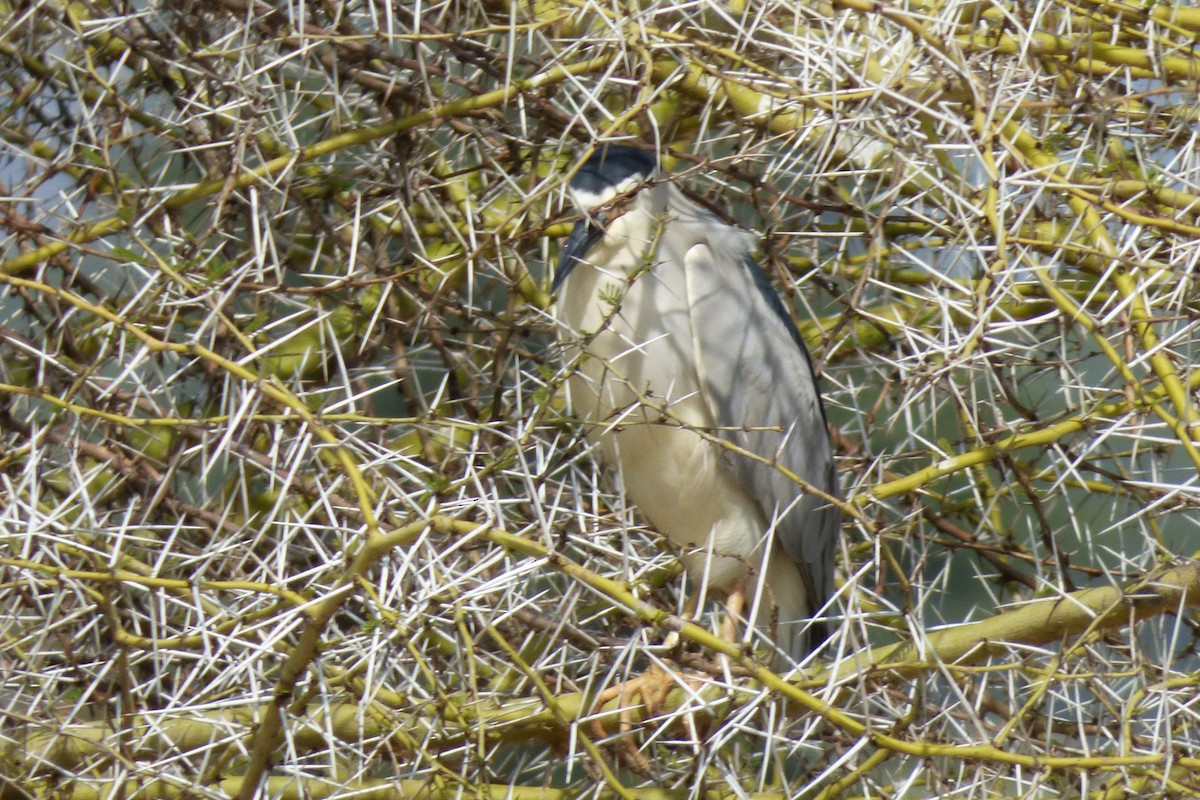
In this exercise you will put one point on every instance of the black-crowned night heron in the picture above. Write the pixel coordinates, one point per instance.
(693, 381)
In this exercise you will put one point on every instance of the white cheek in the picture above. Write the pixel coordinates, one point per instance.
(585, 200)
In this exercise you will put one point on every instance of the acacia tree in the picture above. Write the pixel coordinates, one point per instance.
(291, 501)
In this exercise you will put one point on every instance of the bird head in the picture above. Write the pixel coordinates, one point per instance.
(602, 189)
(609, 173)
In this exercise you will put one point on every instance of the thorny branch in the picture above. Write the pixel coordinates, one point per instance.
(291, 501)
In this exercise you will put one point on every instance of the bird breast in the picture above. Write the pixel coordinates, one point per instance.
(636, 385)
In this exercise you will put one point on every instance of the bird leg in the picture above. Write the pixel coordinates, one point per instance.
(655, 684)
(652, 686)
(735, 603)
(689, 613)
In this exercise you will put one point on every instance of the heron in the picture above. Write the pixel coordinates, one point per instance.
(694, 384)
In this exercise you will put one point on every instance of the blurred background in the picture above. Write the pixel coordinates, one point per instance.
(290, 501)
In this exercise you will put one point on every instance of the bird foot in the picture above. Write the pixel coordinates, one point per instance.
(652, 686)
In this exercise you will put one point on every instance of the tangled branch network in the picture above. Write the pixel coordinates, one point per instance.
(291, 503)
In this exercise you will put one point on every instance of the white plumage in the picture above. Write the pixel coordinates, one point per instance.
(689, 377)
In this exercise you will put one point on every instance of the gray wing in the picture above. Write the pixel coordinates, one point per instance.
(583, 238)
(760, 387)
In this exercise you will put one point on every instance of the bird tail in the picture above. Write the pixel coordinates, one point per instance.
(783, 609)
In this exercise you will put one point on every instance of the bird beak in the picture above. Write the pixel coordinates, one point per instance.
(586, 234)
